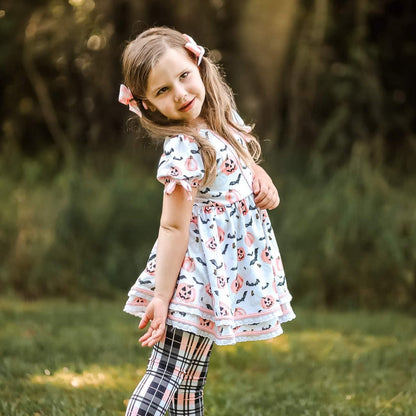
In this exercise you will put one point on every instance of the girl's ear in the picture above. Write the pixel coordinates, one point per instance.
(148, 106)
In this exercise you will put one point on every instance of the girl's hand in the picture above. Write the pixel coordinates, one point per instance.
(265, 193)
(156, 313)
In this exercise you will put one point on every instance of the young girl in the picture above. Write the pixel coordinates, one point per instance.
(215, 274)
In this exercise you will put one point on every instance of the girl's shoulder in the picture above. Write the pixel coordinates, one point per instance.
(179, 146)
(179, 138)
(181, 159)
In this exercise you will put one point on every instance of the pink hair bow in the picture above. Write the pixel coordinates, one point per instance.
(126, 97)
(192, 46)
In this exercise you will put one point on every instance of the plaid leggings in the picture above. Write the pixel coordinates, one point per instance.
(175, 377)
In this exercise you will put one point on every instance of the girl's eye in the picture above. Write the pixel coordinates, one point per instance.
(162, 90)
(184, 75)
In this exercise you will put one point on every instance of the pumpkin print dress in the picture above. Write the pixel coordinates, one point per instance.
(231, 286)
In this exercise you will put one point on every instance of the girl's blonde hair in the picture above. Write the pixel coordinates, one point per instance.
(142, 54)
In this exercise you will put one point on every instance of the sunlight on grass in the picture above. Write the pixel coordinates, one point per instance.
(322, 344)
(94, 376)
(316, 344)
(82, 358)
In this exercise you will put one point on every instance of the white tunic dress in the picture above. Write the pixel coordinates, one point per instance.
(231, 286)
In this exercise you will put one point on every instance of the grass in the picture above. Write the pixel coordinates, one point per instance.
(60, 358)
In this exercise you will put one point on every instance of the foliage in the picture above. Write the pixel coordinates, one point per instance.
(349, 240)
(318, 75)
(76, 232)
(72, 358)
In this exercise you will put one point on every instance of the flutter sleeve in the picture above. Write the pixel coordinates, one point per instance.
(180, 164)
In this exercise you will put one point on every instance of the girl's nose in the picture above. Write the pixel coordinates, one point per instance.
(180, 95)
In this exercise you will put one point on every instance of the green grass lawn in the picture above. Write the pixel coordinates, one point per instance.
(60, 358)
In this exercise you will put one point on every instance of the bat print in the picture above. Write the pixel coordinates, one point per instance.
(282, 281)
(201, 261)
(242, 299)
(237, 180)
(196, 281)
(214, 262)
(256, 255)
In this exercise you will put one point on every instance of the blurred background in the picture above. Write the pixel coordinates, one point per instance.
(329, 84)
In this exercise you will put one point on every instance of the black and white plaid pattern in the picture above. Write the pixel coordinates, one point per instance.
(175, 377)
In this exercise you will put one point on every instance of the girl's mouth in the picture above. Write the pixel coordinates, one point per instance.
(188, 105)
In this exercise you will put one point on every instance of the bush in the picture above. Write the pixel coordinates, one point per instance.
(78, 232)
(350, 239)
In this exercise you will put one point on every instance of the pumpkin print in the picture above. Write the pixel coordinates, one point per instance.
(221, 234)
(188, 264)
(151, 267)
(206, 323)
(185, 292)
(221, 281)
(191, 164)
(229, 166)
(266, 256)
(174, 171)
(195, 183)
(242, 207)
(232, 196)
(211, 243)
(237, 284)
(249, 239)
(208, 289)
(267, 302)
(141, 301)
(220, 208)
(241, 254)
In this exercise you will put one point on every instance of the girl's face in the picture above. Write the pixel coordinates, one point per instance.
(175, 87)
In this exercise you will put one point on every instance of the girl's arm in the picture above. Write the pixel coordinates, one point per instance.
(265, 193)
(172, 244)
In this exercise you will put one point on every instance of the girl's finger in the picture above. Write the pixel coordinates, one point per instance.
(256, 186)
(147, 335)
(152, 340)
(144, 321)
(262, 200)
